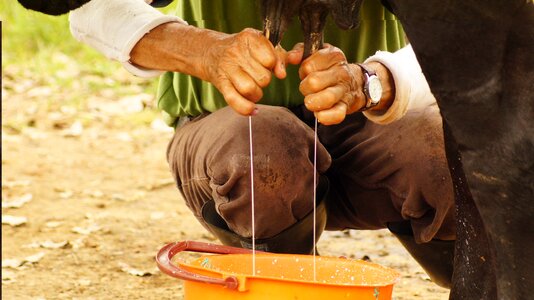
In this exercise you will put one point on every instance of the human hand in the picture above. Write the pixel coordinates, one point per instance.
(332, 87)
(240, 65)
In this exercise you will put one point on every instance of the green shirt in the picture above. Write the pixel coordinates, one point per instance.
(184, 95)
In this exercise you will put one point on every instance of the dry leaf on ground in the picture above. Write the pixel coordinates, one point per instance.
(17, 202)
(53, 224)
(8, 276)
(16, 263)
(14, 220)
(86, 230)
(75, 130)
(126, 268)
(15, 183)
(50, 245)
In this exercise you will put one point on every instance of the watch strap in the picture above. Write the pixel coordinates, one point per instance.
(369, 102)
(367, 70)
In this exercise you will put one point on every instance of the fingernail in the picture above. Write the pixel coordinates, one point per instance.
(254, 112)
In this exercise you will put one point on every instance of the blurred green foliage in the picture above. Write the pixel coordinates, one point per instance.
(31, 39)
(41, 45)
(41, 58)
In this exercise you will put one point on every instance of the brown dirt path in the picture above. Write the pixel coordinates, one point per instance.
(103, 200)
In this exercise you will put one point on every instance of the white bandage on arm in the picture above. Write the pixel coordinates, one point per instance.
(113, 27)
(411, 87)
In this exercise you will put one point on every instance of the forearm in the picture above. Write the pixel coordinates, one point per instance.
(175, 47)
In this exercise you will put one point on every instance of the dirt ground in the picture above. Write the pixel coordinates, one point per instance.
(99, 202)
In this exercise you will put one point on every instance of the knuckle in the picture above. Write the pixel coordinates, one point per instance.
(246, 87)
(336, 49)
(329, 96)
(243, 37)
(249, 31)
(246, 33)
(255, 96)
(230, 99)
(310, 104)
(307, 68)
(270, 60)
(324, 52)
(236, 104)
(314, 81)
(264, 80)
(343, 74)
(303, 89)
(259, 95)
(339, 55)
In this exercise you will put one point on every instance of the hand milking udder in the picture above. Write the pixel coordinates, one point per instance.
(312, 13)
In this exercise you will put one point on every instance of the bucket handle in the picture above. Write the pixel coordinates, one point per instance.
(165, 254)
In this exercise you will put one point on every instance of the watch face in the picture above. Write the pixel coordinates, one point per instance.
(375, 88)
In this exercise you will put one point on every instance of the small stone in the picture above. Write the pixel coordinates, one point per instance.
(14, 221)
(17, 202)
(53, 224)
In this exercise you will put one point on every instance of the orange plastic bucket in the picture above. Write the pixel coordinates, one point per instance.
(278, 276)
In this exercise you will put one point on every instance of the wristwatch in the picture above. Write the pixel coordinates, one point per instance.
(372, 87)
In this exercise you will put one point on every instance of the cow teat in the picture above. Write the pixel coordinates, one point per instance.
(277, 15)
(312, 14)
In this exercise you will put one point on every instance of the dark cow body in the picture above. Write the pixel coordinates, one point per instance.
(53, 7)
(479, 60)
(59, 7)
(478, 57)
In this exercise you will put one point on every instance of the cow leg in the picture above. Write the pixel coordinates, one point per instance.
(473, 276)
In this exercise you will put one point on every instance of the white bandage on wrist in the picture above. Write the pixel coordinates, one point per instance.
(113, 27)
(411, 88)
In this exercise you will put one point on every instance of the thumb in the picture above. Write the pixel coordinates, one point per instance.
(294, 56)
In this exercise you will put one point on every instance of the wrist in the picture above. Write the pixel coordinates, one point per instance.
(387, 82)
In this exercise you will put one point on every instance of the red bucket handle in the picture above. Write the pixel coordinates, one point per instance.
(165, 254)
